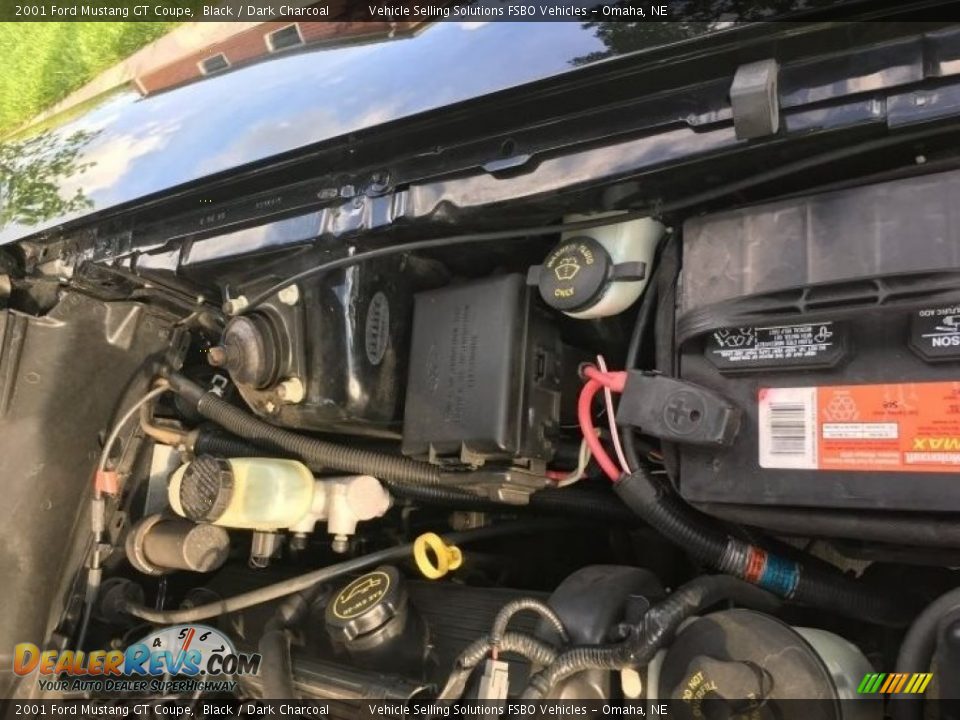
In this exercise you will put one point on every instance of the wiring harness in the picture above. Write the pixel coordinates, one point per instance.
(814, 584)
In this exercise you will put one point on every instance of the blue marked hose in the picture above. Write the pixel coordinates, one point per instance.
(813, 585)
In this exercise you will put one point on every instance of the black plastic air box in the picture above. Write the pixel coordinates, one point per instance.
(484, 381)
(833, 322)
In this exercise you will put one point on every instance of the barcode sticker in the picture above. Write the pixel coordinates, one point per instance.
(788, 428)
(896, 427)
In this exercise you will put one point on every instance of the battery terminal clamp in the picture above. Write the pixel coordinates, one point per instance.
(677, 411)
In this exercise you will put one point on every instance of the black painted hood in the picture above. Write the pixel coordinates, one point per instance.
(129, 147)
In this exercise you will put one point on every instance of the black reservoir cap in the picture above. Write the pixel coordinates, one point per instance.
(574, 275)
(742, 663)
(206, 488)
(366, 604)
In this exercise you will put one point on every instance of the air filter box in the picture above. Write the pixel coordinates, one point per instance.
(833, 322)
(484, 380)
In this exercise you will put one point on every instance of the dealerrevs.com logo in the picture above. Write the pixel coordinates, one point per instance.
(173, 659)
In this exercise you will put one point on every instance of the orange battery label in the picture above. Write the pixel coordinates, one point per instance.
(911, 427)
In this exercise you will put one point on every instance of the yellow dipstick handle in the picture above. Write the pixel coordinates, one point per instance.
(448, 557)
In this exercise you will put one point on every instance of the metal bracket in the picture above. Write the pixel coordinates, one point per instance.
(218, 384)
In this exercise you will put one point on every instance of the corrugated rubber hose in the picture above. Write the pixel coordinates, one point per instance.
(315, 453)
(570, 502)
(816, 585)
(655, 630)
(808, 584)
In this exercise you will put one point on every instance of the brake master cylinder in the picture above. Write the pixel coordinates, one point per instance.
(270, 494)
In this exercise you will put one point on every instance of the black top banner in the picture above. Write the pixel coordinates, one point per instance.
(410, 709)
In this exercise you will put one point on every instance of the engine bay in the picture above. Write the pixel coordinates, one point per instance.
(619, 457)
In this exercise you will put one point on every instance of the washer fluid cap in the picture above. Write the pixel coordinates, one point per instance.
(575, 274)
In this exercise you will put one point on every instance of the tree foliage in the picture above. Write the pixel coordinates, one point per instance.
(31, 173)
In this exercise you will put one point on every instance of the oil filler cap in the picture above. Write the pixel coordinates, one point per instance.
(368, 604)
(576, 274)
(206, 489)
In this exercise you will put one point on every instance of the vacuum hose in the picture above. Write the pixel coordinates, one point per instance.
(315, 453)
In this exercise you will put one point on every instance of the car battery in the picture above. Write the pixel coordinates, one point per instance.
(833, 323)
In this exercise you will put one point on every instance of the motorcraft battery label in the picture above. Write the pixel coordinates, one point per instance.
(900, 427)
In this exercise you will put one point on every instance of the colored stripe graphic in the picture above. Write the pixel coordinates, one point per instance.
(894, 683)
(865, 683)
(891, 680)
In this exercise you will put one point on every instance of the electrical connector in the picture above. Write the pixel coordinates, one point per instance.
(678, 411)
(495, 682)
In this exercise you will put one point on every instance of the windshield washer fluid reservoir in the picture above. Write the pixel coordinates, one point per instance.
(598, 272)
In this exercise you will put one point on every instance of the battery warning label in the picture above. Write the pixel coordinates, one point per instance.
(935, 333)
(912, 427)
(744, 349)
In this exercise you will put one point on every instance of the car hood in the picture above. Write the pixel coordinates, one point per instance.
(129, 146)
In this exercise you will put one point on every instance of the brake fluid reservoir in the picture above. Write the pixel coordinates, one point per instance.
(600, 271)
(251, 493)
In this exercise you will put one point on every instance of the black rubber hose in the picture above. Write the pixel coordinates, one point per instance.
(813, 585)
(655, 630)
(917, 650)
(671, 518)
(274, 647)
(940, 531)
(208, 441)
(578, 502)
(570, 502)
(315, 453)
(644, 318)
(276, 669)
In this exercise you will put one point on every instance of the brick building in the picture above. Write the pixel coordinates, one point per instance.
(263, 40)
